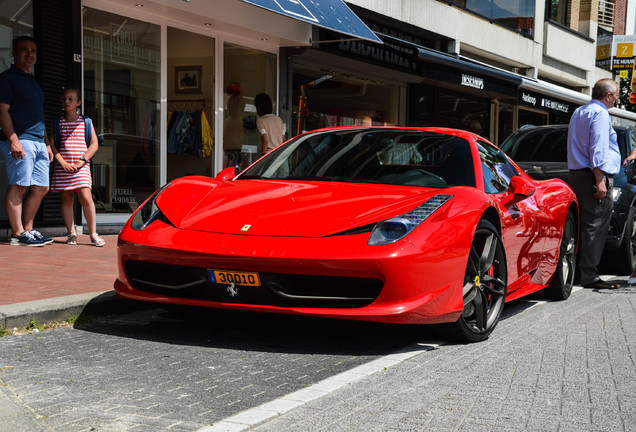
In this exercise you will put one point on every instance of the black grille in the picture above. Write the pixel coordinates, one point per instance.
(284, 290)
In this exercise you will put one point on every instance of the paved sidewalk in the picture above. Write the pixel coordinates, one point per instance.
(54, 281)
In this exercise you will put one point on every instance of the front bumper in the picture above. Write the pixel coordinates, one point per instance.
(338, 276)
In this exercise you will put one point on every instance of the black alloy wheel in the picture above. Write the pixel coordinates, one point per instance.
(485, 285)
(561, 286)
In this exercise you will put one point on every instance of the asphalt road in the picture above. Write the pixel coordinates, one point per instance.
(553, 366)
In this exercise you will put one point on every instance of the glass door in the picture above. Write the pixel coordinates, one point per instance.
(122, 79)
(191, 66)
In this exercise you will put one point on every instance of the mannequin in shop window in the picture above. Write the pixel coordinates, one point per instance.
(271, 128)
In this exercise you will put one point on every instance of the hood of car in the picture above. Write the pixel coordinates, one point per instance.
(283, 208)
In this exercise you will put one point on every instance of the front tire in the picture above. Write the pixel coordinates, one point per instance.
(485, 285)
(561, 286)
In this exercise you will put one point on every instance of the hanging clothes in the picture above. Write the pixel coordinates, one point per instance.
(189, 133)
(206, 135)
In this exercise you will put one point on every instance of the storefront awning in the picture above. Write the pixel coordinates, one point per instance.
(330, 14)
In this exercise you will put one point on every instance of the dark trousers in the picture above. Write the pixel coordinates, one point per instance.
(595, 222)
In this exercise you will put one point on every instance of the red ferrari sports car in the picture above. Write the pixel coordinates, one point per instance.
(388, 224)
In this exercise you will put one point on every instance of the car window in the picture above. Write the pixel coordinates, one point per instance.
(538, 145)
(387, 156)
(496, 167)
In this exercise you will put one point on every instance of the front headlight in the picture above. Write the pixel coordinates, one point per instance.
(616, 193)
(392, 230)
(148, 213)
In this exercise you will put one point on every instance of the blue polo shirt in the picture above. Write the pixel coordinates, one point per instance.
(25, 98)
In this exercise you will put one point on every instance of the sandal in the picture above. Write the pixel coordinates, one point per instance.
(97, 240)
(71, 239)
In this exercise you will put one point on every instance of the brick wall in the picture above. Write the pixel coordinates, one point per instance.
(574, 13)
(588, 10)
(620, 12)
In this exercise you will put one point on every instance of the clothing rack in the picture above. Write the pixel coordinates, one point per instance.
(186, 104)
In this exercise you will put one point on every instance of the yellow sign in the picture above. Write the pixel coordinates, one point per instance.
(625, 49)
(624, 73)
(603, 52)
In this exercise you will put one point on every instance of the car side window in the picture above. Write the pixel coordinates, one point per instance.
(496, 167)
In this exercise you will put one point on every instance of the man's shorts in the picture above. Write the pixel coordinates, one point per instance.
(33, 169)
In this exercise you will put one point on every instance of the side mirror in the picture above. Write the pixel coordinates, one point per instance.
(521, 186)
(226, 174)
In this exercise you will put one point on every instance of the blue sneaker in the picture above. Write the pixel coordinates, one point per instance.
(39, 236)
(25, 239)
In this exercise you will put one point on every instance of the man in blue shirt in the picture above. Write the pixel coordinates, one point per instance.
(22, 143)
(593, 159)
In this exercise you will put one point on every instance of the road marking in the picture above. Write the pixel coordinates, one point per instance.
(269, 410)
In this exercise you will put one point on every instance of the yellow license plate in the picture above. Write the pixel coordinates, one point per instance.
(236, 277)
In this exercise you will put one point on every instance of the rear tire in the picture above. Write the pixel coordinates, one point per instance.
(561, 286)
(485, 285)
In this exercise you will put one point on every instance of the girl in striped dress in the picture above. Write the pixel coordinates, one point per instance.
(72, 174)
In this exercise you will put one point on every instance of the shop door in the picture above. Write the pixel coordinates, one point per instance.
(191, 62)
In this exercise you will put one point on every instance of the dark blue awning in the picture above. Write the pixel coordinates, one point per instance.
(330, 14)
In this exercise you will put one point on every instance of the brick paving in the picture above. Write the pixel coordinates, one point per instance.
(56, 270)
(153, 370)
(560, 366)
(557, 366)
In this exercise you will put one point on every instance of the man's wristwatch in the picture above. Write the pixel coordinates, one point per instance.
(82, 158)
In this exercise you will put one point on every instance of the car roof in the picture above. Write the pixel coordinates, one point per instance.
(555, 126)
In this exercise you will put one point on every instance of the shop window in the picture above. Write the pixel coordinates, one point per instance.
(16, 19)
(121, 94)
(517, 15)
(505, 122)
(461, 112)
(341, 98)
(533, 118)
(247, 72)
(190, 123)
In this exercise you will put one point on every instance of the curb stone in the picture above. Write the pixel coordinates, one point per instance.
(59, 308)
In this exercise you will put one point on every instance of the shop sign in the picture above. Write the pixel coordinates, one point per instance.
(472, 81)
(123, 44)
(123, 196)
(536, 100)
(615, 52)
(385, 54)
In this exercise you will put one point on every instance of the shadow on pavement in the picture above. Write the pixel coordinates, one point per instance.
(253, 331)
(250, 331)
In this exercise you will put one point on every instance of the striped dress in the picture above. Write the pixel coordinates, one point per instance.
(73, 138)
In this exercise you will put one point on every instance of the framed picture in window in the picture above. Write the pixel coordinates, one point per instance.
(187, 79)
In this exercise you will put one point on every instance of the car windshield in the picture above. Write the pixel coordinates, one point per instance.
(384, 156)
(537, 145)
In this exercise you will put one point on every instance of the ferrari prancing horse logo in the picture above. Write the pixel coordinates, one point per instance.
(232, 289)
(246, 227)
